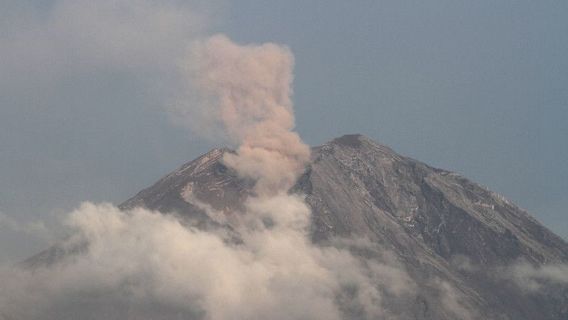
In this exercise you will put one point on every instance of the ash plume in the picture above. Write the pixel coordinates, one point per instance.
(248, 89)
(141, 264)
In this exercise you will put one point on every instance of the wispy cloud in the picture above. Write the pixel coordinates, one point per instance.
(534, 278)
(36, 228)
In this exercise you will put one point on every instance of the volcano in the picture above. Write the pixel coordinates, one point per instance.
(471, 253)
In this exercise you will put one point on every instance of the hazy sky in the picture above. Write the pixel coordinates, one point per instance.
(478, 87)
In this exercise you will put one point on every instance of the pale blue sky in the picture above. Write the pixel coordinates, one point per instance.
(478, 87)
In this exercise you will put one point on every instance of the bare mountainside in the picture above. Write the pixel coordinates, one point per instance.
(468, 252)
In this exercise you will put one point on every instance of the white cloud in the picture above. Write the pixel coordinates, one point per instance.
(145, 264)
(534, 278)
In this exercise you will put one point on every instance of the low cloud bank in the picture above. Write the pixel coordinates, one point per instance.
(145, 265)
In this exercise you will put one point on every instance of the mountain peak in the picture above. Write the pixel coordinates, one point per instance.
(438, 226)
(427, 218)
(350, 140)
(359, 142)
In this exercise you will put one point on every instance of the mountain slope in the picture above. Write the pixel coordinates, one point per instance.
(458, 241)
(438, 223)
(468, 252)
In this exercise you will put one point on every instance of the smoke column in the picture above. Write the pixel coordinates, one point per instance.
(249, 89)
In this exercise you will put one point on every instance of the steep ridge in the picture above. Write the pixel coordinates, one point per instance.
(448, 213)
(441, 225)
